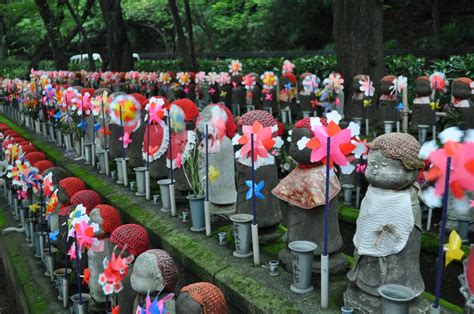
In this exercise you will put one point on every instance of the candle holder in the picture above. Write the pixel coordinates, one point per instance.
(273, 264)
(348, 189)
(222, 238)
(388, 126)
(185, 216)
(422, 133)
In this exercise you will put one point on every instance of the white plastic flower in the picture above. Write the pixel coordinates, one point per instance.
(451, 134)
(235, 67)
(427, 149)
(355, 128)
(302, 142)
(333, 116)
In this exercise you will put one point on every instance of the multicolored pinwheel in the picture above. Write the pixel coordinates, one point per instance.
(114, 271)
(155, 307)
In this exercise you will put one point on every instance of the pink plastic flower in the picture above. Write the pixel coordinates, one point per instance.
(263, 141)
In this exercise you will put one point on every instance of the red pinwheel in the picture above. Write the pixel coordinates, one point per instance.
(114, 271)
(262, 137)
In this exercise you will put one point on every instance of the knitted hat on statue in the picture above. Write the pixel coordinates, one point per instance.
(400, 146)
(70, 186)
(230, 126)
(110, 216)
(190, 109)
(209, 296)
(167, 267)
(43, 165)
(306, 123)
(262, 116)
(28, 148)
(34, 157)
(88, 198)
(132, 237)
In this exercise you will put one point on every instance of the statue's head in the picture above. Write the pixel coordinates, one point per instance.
(154, 271)
(68, 187)
(385, 83)
(131, 238)
(302, 129)
(423, 86)
(108, 219)
(461, 88)
(201, 297)
(393, 162)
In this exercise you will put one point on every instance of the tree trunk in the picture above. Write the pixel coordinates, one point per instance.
(119, 50)
(190, 34)
(358, 32)
(436, 22)
(182, 45)
(53, 29)
(84, 35)
(3, 36)
(38, 54)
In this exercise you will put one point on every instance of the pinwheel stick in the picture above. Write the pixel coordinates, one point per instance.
(325, 257)
(93, 141)
(207, 214)
(442, 232)
(434, 110)
(147, 172)
(255, 243)
(124, 161)
(170, 147)
(78, 269)
(104, 129)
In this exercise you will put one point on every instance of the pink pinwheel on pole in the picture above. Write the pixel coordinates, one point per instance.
(452, 169)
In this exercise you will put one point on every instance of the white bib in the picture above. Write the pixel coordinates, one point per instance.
(385, 222)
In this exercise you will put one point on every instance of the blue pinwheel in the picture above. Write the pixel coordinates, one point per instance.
(53, 236)
(257, 190)
(57, 115)
(400, 107)
(288, 86)
(82, 125)
(96, 127)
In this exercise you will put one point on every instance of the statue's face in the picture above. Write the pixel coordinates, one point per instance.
(385, 87)
(97, 218)
(186, 304)
(387, 173)
(146, 275)
(63, 197)
(461, 90)
(301, 156)
(206, 116)
(422, 88)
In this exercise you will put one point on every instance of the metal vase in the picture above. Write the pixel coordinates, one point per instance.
(59, 137)
(88, 153)
(197, 213)
(273, 265)
(51, 133)
(165, 195)
(302, 258)
(347, 190)
(101, 163)
(37, 245)
(62, 283)
(388, 126)
(396, 298)
(358, 121)
(49, 259)
(77, 148)
(242, 234)
(140, 179)
(37, 127)
(80, 308)
(120, 174)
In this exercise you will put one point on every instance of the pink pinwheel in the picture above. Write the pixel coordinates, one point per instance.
(84, 234)
(114, 271)
(248, 81)
(340, 144)
(72, 251)
(263, 141)
(48, 184)
(82, 103)
(438, 81)
(126, 139)
(224, 78)
(367, 87)
(155, 307)
(156, 110)
(269, 97)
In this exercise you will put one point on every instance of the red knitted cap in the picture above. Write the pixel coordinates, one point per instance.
(306, 123)
(168, 269)
(208, 295)
(262, 116)
(17, 139)
(91, 91)
(230, 126)
(43, 165)
(290, 76)
(72, 185)
(4, 127)
(133, 236)
(88, 198)
(28, 149)
(10, 132)
(64, 210)
(190, 109)
(110, 216)
(34, 157)
(140, 98)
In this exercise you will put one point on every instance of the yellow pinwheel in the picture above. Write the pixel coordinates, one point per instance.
(367, 102)
(435, 105)
(34, 207)
(213, 174)
(453, 249)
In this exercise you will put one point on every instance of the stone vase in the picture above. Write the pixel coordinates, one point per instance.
(242, 235)
(165, 195)
(197, 213)
(302, 260)
(140, 179)
(78, 307)
(396, 298)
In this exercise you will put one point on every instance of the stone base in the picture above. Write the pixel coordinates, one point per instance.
(268, 235)
(365, 303)
(337, 262)
(226, 210)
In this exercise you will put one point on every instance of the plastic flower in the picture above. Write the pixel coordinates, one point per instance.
(453, 249)
(235, 67)
(399, 84)
(183, 78)
(224, 78)
(367, 87)
(269, 80)
(213, 174)
(438, 81)
(126, 139)
(334, 82)
(213, 78)
(100, 102)
(165, 78)
(53, 236)
(310, 83)
(155, 307)
(248, 81)
(52, 203)
(155, 110)
(288, 66)
(86, 274)
(201, 78)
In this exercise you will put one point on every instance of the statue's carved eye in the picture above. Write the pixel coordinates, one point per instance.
(384, 164)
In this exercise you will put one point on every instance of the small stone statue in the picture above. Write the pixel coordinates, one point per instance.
(269, 213)
(388, 235)
(221, 128)
(421, 112)
(363, 91)
(387, 100)
(238, 90)
(288, 88)
(307, 95)
(462, 91)
(201, 297)
(108, 219)
(154, 273)
(133, 240)
(67, 188)
(253, 86)
(269, 93)
(304, 190)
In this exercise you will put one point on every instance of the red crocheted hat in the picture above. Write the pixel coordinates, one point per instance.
(4, 127)
(72, 185)
(290, 76)
(11, 133)
(91, 91)
(17, 139)
(43, 165)
(168, 269)
(230, 126)
(28, 149)
(88, 198)
(110, 216)
(140, 98)
(133, 236)
(34, 157)
(64, 210)
(306, 123)
(190, 109)
(262, 116)
(209, 296)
